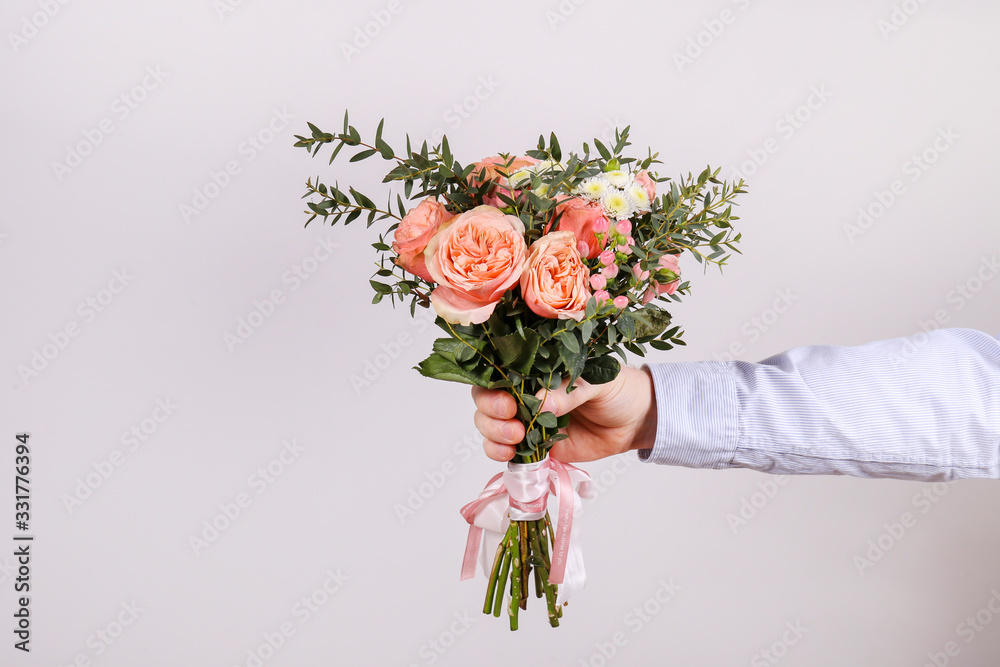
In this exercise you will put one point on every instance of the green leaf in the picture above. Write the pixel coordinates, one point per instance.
(626, 325)
(650, 321)
(382, 288)
(441, 368)
(568, 338)
(384, 149)
(601, 370)
(363, 155)
(574, 359)
(554, 149)
(517, 353)
(605, 153)
(547, 419)
(454, 349)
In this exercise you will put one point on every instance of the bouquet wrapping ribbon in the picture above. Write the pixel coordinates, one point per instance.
(521, 493)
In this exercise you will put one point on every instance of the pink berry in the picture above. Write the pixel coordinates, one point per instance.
(601, 295)
(598, 281)
(601, 225)
(620, 301)
(624, 227)
(607, 257)
(610, 271)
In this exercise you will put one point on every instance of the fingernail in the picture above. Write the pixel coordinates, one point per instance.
(500, 406)
(508, 432)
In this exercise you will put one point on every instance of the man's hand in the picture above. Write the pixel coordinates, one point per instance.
(605, 419)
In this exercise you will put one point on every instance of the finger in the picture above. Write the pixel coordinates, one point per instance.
(494, 403)
(559, 402)
(497, 451)
(504, 431)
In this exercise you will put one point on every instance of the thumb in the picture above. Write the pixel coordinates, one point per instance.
(560, 403)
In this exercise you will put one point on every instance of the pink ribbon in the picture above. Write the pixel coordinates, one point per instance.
(527, 499)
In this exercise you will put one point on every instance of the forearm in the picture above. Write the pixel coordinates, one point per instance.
(924, 407)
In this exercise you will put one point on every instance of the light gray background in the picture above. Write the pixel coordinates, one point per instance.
(577, 68)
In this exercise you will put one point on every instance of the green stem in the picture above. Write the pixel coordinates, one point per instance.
(502, 580)
(491, 585)
(522, 529)
(515, 587)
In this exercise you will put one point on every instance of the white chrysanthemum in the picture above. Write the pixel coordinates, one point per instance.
(594, 187)
(546, 165)
(640, 200)
(542, 190)
(617, 178)
(520, 178)
(617, 204)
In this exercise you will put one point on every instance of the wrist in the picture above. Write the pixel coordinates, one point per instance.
(645, 436)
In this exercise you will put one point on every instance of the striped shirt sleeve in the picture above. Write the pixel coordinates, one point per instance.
(922, 407)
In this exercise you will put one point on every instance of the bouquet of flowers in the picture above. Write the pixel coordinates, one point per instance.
(540, 268)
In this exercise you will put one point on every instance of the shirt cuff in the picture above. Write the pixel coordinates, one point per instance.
(697, 415)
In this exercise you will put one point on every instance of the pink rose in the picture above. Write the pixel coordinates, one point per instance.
(494, 170)
(415, 231)
(554, 282)
(584, 218)
(670, 263)
(474, 258)
(646, 181)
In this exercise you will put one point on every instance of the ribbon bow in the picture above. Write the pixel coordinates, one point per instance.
(521, 494)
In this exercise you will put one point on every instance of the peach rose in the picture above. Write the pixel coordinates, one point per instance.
(583, 217)
(643, 178)
(415, 230)
(494, 170)
(475, 257)
(554, 282)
